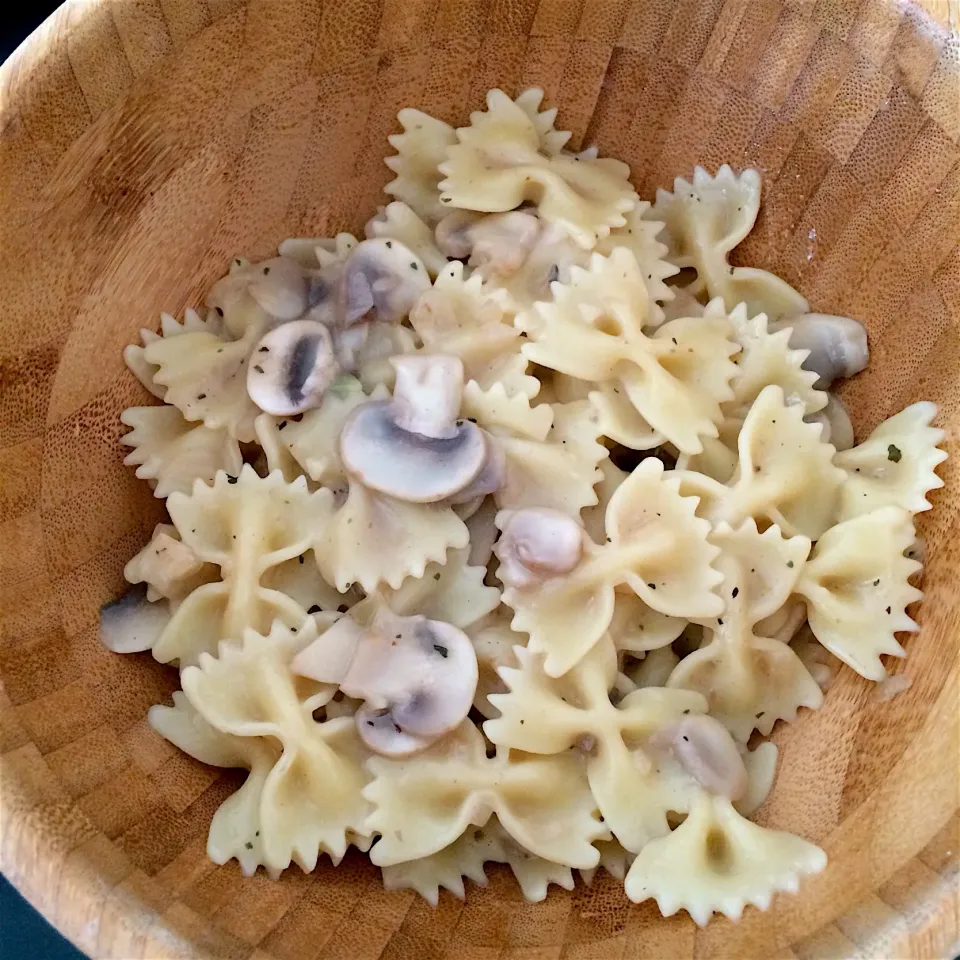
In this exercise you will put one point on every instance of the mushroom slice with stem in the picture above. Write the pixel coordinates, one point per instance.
(291, 368)
(327, 659)
(411, 447)
(837, 345)
(704, 748)
(537, 544)
(382, 275)
(422, 673)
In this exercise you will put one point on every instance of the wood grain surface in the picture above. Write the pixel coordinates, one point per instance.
(145, 142)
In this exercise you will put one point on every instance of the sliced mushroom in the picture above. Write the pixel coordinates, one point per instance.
(427, 394)
(422, 673)
(497, 245)
(490, 478)
(837, 345)
(381, 275)
(291, 368)
(383, 735)
(837, 428)
(536, 544)
(411, 447)
(280, 287)
(328, 658)
(131, 623)
(705, 749)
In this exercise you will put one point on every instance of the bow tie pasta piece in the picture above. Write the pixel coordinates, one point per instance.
(312, 797)
(171, 453)
(856, 588)
(133, 354)
(619, 419)
(767, 359)
(168, 566)
(552, 141)
(206, 379)
(718, 862)
(676, 379)
(314, 441)
(466, 857)
(614, 858)
(894, 466)
(248, 524)
(421, 148)
(236, 828)
(639, 235)
(370, 361)
(500, 161)
(785, 473)
(656, 545)
(315, 252)
(751, 681)
(718, 459)
(375, 539)
(453, 592)
(460, 316)
(275, 454)
(637, 628)
(397, 221)
(300, 580)
(493, 642)
(551, 451)
(593, 516)
(549, 716)
(704, 221)
(219, 612)
(424, 804)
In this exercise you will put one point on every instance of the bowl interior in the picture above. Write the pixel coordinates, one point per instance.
(142, 145)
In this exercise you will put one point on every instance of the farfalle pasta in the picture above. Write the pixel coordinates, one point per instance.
(496, 535)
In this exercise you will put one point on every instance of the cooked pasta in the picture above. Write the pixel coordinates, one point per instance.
(495, 536)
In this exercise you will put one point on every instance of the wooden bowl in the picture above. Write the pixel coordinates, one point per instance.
(145, 142)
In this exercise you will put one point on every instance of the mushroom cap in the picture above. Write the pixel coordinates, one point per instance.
(705, 749)
(452, 233)
(291, 368)
(409, 466)
(383, 735)
(502, 241)
(837, 345)
(327, 659)
(427, 393)
(131, 624)
(490, 478)
(280, 287)
(537, 543)
(382, 275)
(422, 672)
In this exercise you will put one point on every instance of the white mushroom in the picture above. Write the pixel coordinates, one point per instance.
(291, 368)
(131, 623)
(490, 478)
(167, 566)
(427, 394)
(328, 658)
(280, 287)
(837, 428)
(381, 275)
(497, 245)
(537, 544)
(420, 673)
(411, 447)
(383, 735)
(837, 345)
(705, 749)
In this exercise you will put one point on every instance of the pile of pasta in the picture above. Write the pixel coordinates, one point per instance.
(646, 413)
